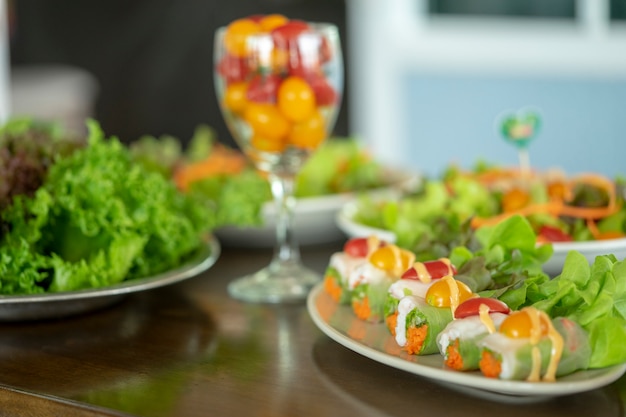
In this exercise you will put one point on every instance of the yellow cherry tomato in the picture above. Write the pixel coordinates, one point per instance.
(267, 121)
(237, 33)
(391, 258)
(235, 97)
(518, 325)
(272, 21)
(296, 99)
(438, 294)
(310, 133)
(267, 145)
(515, 199)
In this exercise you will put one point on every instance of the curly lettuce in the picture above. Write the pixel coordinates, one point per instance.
(98, 219)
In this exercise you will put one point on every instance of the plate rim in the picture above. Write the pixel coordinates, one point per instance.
(602, 376)
(207, 256)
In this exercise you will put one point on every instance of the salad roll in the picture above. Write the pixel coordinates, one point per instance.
(415, 281)
(369, 283)
(530, 346)
(420, 319)
(354, 254)
(474, 319)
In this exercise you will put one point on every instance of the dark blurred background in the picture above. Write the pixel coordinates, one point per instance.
(152, 59)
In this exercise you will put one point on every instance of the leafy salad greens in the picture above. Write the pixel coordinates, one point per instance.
(506, 265)
(97, 218)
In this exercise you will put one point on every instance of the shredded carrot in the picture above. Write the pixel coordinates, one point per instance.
(332, 288)
(362, 308)
(558, 206)
(415, 337)
(453, 356)
(391, 321)
(489, 365)
(221, 160)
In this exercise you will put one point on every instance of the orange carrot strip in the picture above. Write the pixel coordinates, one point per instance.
(392, 321)
(362, 308)
(489, 365)
(415, 337)
(221, 160)
(332, 288)
(453, 356)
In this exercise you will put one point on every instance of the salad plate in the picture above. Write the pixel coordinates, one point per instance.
(374, 341)
(345, 220)
(314, 217)
(63, 304)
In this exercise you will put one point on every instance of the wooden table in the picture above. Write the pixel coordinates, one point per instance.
(189, 350)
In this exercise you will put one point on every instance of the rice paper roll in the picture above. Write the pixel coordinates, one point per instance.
(418, 324)
(414, 281)
(354, 254)
(336, 276)
(369, 283)
(509, 358)
(459, 342)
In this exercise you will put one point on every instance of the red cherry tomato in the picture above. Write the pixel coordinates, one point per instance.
(326, 52)
(233, 69)
(286, 34)
(553, 234)
(263, 88)
(357, 247)
(256, 17)
(471, 307)
(325, 94)
(436, 268)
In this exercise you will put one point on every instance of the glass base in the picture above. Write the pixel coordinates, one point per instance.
(280, 282)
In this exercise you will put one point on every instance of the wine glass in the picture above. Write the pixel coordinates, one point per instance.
(279, 86)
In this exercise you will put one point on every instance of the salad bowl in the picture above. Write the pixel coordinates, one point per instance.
(315, 217)
(345, 221)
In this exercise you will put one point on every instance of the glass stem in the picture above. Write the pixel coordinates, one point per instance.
(286, 249)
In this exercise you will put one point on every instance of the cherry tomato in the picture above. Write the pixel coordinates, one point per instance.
(390, 257)
(514, 199)
(296, 99)
(558, 190)
(236, 35)
(357, 247)
(518, 325)
(272, 21)
(256, 17)
(438, 294)
(266, 121)
(471, 307)
(553, 234)
(263, 88)
(325, 94)
(436, 269)
(299, 61)
(235, 97)
(267, 145)
(310, 133)
(326, 51)
(285, 35)
(233, 69)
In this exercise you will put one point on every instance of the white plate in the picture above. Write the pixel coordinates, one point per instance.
(374, 342)
(63, 304)
(314, 217)
(346, 223)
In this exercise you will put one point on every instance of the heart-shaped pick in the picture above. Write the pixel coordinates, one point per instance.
(520, 128)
